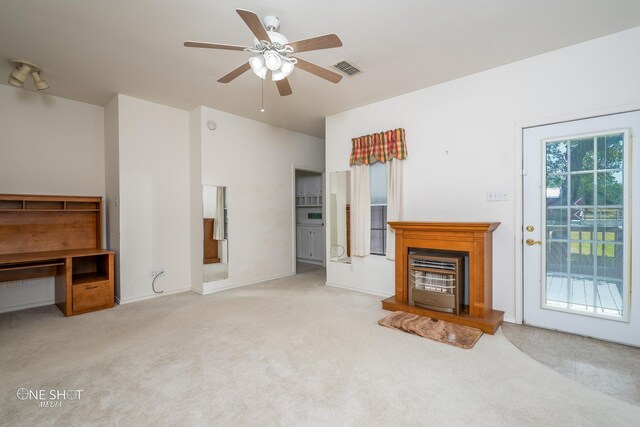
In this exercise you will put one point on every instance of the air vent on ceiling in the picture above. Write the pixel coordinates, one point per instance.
(347, 68)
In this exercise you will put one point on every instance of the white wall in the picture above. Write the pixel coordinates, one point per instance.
(209, 200)
(112, 183)
(196, 231)
(255, 162)
(48, 145)
(463, 141)
(154, 198)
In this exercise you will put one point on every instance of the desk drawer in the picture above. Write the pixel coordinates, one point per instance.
(94, 295)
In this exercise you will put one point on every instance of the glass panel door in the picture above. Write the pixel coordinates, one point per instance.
(580, 213)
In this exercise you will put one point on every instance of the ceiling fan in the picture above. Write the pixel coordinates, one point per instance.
(275, 52)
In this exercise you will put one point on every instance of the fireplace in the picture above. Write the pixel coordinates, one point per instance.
(436, 280)
(475, 239)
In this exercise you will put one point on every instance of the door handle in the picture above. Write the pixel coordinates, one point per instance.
(532, 242)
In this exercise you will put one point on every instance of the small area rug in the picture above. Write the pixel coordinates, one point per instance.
(434, 329)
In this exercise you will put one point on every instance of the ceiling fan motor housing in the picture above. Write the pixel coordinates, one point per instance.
(271, 23)
(275, 38)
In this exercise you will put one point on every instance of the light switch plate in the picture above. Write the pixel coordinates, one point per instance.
(497, 196)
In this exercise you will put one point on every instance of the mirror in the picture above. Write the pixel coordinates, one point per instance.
(215, 240)
(339, 215)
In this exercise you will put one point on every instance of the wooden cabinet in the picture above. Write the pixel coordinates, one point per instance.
(58, 236)
(91, 282)
(310, 244)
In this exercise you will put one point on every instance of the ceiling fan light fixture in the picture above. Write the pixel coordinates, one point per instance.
(272, 59)
(38, 81)
(287, 67)
(277, 75)
(258, 66)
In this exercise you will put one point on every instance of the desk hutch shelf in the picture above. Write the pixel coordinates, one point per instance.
(58, 236)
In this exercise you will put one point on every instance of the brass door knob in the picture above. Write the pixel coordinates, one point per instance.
(532, 242)
(530, 228)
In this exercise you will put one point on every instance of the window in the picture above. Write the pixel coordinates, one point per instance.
(585, 223)
(378, 177)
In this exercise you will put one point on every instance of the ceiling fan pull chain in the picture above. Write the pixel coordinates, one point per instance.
(262, 95)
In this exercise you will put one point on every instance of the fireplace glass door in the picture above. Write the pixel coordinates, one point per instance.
(436, 281)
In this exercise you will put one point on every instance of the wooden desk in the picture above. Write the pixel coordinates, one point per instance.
(83, 277)
(61, 237)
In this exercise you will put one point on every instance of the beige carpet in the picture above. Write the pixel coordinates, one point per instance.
(278, 353)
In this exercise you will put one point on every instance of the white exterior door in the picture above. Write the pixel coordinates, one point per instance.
(578, 224)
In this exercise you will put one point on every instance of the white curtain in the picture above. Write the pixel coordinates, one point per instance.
(218, 224)
(394, 202)
(361, 211)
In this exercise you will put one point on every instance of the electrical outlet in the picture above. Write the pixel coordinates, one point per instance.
(159, 273)
(16, 283)
(497, 196)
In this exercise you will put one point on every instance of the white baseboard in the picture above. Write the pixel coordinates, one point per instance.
(27, 305)
(146, 297)
(239, 285)
(364, 291)
(197, 291)
(509, 319)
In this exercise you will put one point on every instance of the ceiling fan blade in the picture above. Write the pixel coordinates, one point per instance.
(213, 45)
(235, 73)
(255, 25)
(316, 43)
(284, 87)
(318, 71)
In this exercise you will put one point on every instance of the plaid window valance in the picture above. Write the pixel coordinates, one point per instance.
(378, 147)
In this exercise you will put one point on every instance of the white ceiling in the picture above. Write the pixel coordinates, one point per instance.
(93, 49)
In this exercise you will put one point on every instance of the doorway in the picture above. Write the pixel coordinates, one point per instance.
(578, 227)
(309, 220)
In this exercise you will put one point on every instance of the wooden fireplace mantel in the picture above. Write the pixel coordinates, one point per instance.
(474, 238)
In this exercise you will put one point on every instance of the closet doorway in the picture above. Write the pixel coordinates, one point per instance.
(309, 202)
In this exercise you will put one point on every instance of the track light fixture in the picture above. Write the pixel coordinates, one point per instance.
(22, 70)
(38, 82)
(21, 73)
(15, 82)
